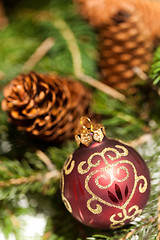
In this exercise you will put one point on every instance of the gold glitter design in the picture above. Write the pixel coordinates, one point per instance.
(90, 164)
(66, 202)
(67, 163)
(98, 135)
(97, 208)
(67, 171)
(109, 169)
(85, 139)
(98, 184)
(125, 169)
(101, 176)
(119, 223)
(95, 197)
(143, 188)
(118, 154)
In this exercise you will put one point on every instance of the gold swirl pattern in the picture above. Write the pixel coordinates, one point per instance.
(64, 199)
(119, 223)
(99, 185)
(67, 163)
(118, 154)
(90, 164)
(109, 169)
(97, 209)
(143, 188)
(67, 171)
(118, 171)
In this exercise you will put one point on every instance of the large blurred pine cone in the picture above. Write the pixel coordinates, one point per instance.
(125, 49)
(48, 107)
(128, 31)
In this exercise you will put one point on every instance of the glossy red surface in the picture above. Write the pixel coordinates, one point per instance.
(105, 185)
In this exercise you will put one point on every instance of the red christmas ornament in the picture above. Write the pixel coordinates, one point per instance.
(105, 183)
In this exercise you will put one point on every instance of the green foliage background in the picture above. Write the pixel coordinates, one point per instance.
(30, 23)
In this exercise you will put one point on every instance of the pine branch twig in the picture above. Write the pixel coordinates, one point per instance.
(38, 54)
(21, 180)
(43, 157)
(24, 180)
(102, 87)
(77, 61)
(141, 140)
(72, 44)
(129, 234)
(73, 47)
(142, 75)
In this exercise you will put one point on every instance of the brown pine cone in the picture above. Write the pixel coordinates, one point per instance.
(48, 107)
(125, 41)
(125, 47)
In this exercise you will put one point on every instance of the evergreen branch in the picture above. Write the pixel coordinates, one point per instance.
(102, 87)
(73, 47)
(38, 54)
(46, 160)
(128, 234)
(140, 141)
(24, 180)
(155, 67)
(77, 61)
(21, 180)
(71, 41)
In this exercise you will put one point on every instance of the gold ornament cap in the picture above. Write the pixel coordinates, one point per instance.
(89, 132)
